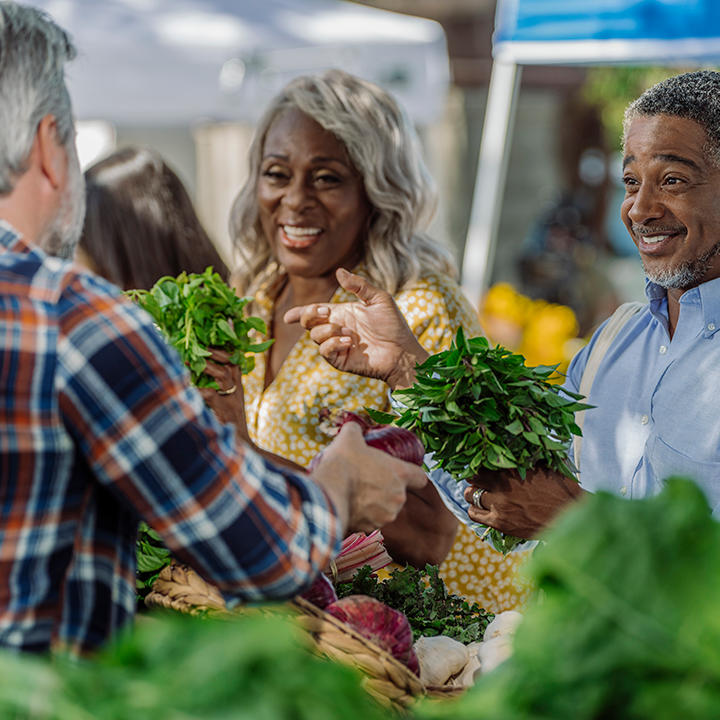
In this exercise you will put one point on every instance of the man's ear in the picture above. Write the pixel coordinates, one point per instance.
(50, 152)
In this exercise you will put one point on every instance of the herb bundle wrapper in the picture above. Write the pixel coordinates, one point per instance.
(476, 407)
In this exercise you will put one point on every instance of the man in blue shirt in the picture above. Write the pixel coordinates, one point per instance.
(655, 386)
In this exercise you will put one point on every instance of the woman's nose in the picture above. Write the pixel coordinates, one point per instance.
(298, 195)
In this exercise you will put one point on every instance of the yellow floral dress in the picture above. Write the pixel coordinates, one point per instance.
(283, 418)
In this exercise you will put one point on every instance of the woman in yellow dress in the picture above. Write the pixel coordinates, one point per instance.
(336, 180)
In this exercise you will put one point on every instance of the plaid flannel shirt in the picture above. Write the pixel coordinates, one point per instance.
(99, 427)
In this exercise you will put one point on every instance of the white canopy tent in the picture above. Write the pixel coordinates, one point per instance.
(562, 32)
(177, 62)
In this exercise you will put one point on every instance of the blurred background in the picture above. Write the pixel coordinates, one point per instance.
(191, 77)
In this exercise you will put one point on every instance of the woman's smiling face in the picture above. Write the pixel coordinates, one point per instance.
(312, 203)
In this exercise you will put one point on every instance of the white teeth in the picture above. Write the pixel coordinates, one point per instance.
(652, 239)
(300, 231)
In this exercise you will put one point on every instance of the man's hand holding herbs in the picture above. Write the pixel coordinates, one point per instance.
(369, 337)
(501, 499)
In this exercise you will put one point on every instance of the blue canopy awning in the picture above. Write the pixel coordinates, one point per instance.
(607, 31)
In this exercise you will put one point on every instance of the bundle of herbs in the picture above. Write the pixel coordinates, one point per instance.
(475, 406)
(422, 596)
(196, 312)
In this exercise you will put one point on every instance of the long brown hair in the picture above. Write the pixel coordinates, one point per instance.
(140, 223)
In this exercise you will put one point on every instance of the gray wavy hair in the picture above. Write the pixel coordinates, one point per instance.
(33, 52)
(694, 96)
(385, 150)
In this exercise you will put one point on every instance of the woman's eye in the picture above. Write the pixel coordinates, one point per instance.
(327, 179)
(274, 174)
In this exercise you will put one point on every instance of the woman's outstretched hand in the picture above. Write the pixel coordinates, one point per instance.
(368, 337)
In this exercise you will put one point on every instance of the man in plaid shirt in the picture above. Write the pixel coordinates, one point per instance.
(99, 426)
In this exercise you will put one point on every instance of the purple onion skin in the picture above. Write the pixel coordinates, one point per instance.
(321, 593)
(387, 628)
(395, 441)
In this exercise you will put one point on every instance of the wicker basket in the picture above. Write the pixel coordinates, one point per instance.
(180, 588)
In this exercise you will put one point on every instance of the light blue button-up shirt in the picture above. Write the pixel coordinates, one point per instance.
(657, 400)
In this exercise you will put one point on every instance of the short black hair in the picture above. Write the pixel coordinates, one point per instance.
(693, 95)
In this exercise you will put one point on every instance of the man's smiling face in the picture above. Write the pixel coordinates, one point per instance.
(672, 200)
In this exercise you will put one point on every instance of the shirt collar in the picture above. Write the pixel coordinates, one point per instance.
(8, 235)
(707, 295)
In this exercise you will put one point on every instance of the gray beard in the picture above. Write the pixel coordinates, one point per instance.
(687, 275)
(63, 235)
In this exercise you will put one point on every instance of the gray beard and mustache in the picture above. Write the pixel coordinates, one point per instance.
(63, 235)
(686, 275)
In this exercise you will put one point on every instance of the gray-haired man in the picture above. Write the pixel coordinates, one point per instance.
(98, 425)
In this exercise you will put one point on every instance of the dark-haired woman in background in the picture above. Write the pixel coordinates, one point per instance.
(140, 223)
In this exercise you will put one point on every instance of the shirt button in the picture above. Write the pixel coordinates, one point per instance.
(644, 419)
(663, 349)
(711, 326)
(623, 490)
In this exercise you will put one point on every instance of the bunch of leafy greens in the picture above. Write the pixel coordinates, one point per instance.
(199, 311)
(475, 406)
(152, 557)
(423, 597)
(176, 667)
(628, 627)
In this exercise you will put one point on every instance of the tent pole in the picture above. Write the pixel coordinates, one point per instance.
(490, 179)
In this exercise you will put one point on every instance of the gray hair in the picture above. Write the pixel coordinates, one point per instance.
(694, 96)
(33, 52)
(385, 150)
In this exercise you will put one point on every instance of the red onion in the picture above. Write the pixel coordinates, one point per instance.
(395, 441)
(387, 628)
(321, 593)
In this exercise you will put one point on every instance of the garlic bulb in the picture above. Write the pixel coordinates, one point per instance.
(440, 658)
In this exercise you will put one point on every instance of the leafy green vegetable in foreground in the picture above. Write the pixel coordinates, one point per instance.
(174, 667)
(628, 627)
(199, 311)
(152, 557)
(423, 597)
(475, 406)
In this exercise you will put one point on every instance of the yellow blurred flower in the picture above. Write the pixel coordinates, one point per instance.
(545, 333)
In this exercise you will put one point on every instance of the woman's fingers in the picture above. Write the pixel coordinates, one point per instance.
(308, 315)
(359, 286)
(320, 333)
(219, 356)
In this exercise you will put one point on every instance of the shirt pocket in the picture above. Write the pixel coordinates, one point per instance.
(666, 462)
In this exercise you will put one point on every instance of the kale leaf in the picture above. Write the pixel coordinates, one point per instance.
(421, 594)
